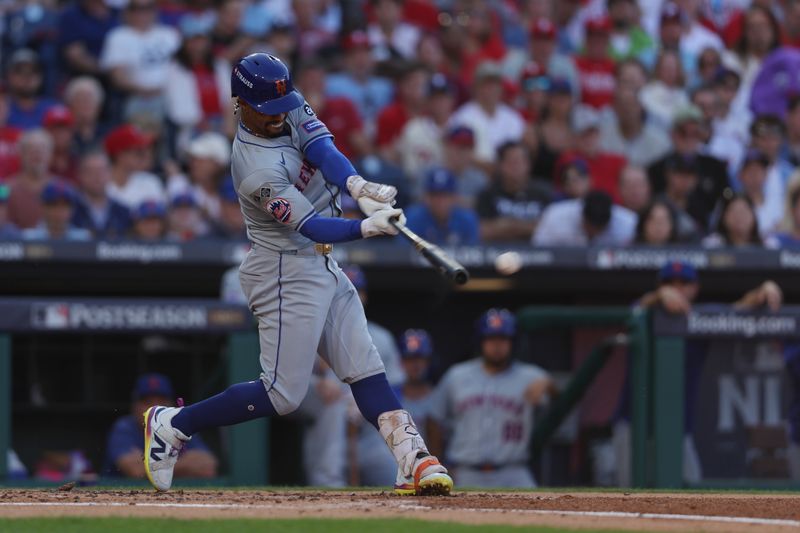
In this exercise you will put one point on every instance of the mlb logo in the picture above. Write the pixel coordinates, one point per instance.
(50, 316)
(280, 209)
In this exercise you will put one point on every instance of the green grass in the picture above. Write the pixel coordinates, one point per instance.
(150, 525)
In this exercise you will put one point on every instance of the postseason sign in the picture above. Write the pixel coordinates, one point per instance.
(96, 315)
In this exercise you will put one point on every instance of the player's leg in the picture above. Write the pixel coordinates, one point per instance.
(285, 293)
(347, 347)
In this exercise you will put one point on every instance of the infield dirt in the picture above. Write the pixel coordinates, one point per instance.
(722, 512)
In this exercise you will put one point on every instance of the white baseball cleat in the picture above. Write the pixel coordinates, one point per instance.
(429, 478)
(162, 445)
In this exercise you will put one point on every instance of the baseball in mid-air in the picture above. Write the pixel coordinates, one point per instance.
(508, 263)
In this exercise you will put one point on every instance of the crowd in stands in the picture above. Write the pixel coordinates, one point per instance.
(522, 121)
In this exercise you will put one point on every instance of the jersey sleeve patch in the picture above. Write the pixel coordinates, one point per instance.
(279, 208)
(264, 193)
(312, 125)
(308, 110)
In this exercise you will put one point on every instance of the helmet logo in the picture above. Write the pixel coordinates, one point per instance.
(280, 87)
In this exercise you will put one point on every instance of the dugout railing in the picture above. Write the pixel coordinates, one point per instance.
(247, 444)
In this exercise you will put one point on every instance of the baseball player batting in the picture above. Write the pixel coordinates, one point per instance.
(288, 175)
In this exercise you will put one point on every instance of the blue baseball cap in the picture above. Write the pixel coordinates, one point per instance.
(416, 343)
(184, 199)
(356, 277)
(56, 191)
(149, 209)
(677, 270)
(497, 323)
(227, 192)
(440, 180)
(194, 24)
(153, 385)
(559, 86)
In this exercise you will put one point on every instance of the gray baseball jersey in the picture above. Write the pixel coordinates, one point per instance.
(303, 301)
(489, 419)
(278, 189)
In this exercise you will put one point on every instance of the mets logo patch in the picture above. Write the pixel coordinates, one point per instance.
(312, 125)
(280, 209)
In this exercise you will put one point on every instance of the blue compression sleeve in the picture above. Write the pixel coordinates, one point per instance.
(330, 230)
(335, 167)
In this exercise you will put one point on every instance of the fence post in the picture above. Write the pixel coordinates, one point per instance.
(668, 405)
(640, 396)
(249, 442)
(5, 403)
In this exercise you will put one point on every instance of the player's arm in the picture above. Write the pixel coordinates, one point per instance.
(130, 464)
(196, 463)
(337, 169)
(767, 294)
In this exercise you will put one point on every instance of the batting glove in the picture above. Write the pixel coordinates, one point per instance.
(361, 188)
(380, 223)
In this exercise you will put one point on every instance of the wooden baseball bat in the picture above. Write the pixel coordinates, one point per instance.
(446, 265)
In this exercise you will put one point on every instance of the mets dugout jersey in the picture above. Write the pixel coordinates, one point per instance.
(278, 189)
(488, 418)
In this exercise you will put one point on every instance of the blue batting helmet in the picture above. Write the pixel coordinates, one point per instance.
(416, 343)
(497, 323)
(264, 82)
(356, 276)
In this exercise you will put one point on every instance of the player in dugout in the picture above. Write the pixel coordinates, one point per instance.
(288, 174)
(124, 449)
(483, 409)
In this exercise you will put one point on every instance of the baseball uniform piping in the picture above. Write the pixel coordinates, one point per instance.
(280, 323)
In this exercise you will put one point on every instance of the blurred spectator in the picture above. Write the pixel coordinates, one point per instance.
(592, 220)
(510, 209)
(709, 65)
(459, 157)
(788, 233)
(82, 28)
(791, 148)
(128, 148)
(730, 127)
(542, 51)
(390, 37)
(634, 188)
(534, 83)
(693, 36)
(136, 56)
(198, 85)
(416, 352)
(712, 173)
(737, 223)
(230, 41)
(410, 102)
(595, 66)
(124, 446)
(497, 394)
(790, 24)
(9, 142)
(230, 224)
(628, 39)
(58, 121)
(554, 129)
(631, 75)
(681, 187)
(312, 36)
(63, 466)
(420, 143)
(149, 221)
(753, 179)
(358, 81)
(84, 97)
(58, 206)
(7, 229)
(492, 121)
(760, 37)
(34, 24)
(604, 167)
(481, 40)
(657, 225)
(24, 202)
(338, 113)
(370, 462)
(184, 220)
(209, 162)
(24, 85)
(767, 135)
(665, 93)
(574, 180)
(438, 218)
(94, 209)
(625, 131)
